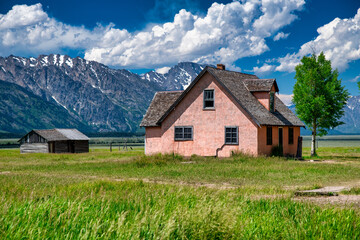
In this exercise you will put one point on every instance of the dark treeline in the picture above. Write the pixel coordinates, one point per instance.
(115, 134)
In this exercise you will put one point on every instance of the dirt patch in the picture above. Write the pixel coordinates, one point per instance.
(339, 200)
(328, 195)
(4, 173)
(325, 191)
(328, 161)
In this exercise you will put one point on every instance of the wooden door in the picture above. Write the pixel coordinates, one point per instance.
(71, 146)
(280, 137)
(51, 147)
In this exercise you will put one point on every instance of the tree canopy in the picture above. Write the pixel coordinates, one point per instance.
(319, 97)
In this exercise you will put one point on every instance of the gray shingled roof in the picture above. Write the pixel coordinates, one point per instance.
(161, 102)
(260, 85)
(60, 134)
(234, 83)
(72, 134)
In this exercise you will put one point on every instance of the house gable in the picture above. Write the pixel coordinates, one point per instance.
(224, 86)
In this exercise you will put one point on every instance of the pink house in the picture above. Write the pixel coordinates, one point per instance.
(219, 113)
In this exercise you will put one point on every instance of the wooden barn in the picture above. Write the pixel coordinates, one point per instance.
(54, 141)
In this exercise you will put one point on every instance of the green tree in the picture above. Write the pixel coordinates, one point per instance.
(319, 97)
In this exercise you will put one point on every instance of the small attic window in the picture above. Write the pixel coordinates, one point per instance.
(272, 102)
(209, 100)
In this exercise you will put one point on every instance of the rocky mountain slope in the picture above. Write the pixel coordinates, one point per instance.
(20, 108)
(177, 78)
(351, 117)
(60, 91)
(104, 98)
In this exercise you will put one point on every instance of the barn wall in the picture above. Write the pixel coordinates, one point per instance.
(34, 148)
(61, 147)
(81, 146)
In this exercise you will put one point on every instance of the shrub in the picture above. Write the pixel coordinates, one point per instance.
(277, 151)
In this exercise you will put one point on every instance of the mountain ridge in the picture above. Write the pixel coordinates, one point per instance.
(14, 97)
(99, 97)
(106, 99)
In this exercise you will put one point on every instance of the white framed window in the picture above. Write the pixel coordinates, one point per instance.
(183, 133)
(232, 135)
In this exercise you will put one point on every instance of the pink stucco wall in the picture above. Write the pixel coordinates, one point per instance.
(208, 125)
(264, 98)
(288, 148)
(153, 140)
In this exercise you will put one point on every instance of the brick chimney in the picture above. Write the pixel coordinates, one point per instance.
(220, 66)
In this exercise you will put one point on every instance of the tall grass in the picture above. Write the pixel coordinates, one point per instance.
(135, 210)
(88, 196)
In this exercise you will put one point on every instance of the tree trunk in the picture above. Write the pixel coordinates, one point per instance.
(313, 140)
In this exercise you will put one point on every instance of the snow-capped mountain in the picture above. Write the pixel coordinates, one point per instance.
(106, 99)
(60, 91)
(351, 118)
(178, 77)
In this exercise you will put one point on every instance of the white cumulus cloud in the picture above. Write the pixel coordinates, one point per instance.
(264, 69)
(22, 15)
(26, 30)
(286, 98)
(226, 33)
(162, 70)
(338, 39)
(281, 35)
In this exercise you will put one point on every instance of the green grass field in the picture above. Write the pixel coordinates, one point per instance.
(126, 195)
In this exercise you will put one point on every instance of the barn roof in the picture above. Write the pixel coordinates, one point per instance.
(239, 86)
(59, 134)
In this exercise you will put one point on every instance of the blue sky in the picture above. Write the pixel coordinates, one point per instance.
(264, 37)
